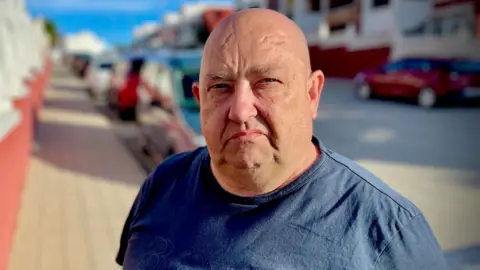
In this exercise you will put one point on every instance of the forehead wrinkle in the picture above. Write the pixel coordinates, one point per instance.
(226, 40)
(276, 39)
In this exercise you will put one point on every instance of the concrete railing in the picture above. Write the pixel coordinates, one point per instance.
(351, 41)
(431, 46)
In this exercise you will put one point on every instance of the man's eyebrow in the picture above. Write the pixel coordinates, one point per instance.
(262, 70)
(218, 76)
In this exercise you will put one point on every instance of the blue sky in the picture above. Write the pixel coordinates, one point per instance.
(112, 20)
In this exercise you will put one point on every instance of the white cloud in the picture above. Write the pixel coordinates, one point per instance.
(84, 41)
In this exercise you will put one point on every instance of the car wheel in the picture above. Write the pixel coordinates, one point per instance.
(364, 91)
(427, 98)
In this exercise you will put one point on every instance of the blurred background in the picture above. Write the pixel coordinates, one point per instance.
(95, 93)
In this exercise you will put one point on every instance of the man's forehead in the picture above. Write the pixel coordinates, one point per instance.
(251, 64)
(260, 38)
(244, 42)
(256, 50)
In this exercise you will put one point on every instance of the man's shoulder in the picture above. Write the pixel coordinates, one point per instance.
(388, 228)
(370, 190)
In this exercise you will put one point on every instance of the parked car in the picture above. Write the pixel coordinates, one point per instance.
(174, 113)
(80, 63)
(427, 81)
(167, 114)
(99, 75)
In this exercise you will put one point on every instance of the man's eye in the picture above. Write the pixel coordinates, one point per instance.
(269, 80)
(219, 86)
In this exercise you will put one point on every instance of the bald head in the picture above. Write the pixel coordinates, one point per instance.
(257, 99)
(261, 29)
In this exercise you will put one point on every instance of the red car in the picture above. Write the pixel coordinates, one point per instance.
(428, 81)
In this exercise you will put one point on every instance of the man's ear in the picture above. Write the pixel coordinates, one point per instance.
(316, 80)
(196, 91)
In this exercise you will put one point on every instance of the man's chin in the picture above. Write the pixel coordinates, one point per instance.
(246, 156)
(245, 166)
(243, 162)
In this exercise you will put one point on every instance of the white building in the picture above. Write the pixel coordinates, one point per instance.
(182, 28)
(373, 31)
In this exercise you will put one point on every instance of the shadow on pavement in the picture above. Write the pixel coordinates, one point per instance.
(72, 135)
(92, 151)
(71, 105)
(59, 85)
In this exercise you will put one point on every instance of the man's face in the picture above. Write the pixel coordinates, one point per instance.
(254, 99)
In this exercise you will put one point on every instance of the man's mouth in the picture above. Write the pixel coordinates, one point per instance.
(246, 135)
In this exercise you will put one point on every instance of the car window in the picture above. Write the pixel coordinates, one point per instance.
(426, 65)
(394, 66)
(106, 66)
(465, 67)
(418, 65)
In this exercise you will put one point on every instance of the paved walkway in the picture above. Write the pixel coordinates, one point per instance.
(81, 184)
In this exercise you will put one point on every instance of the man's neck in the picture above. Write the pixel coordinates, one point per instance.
(262, 181)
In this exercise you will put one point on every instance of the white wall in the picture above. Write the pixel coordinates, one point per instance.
(411, 13)
(22, 47)
(313, 24)
(378, 20)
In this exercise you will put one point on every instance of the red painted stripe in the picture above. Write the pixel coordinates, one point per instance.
(14, 161)
(332, 61)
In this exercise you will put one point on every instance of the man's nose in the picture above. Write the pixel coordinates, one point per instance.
(242, 106)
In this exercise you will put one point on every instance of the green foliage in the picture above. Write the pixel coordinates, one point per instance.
(52, 31)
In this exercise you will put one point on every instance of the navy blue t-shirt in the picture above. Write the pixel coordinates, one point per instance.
(336, 215)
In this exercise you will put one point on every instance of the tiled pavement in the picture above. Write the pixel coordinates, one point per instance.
(80, 186)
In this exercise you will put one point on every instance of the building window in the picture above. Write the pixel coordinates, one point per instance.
(418, 30)
(380, 3)
(314, 5)
(437, 26)
(337, 27)
(340, 3)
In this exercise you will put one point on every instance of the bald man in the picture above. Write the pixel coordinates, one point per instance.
(265, 193)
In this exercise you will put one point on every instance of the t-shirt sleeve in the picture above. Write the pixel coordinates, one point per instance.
(132, 215)
(414, 247)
